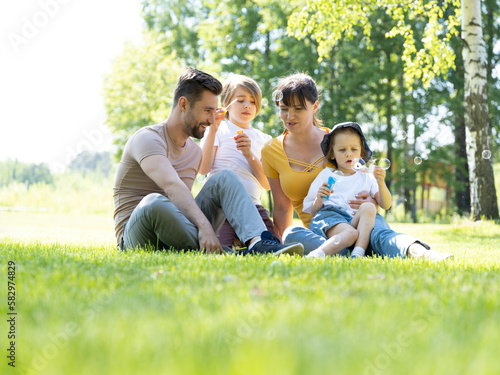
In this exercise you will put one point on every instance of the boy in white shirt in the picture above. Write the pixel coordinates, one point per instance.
(344, 146)
(236, 145)
(333, 217)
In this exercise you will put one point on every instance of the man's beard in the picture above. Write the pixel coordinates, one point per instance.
(193, 128)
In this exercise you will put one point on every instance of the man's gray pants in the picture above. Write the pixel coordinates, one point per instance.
(157, 222)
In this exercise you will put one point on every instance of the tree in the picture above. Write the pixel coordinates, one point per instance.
(26, 173)
(86, 161)
(491, 32)
(139, 89)
(235, 36)
(425, 56)
(483, 193)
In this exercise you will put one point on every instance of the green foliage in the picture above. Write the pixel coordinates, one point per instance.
(187, 313)
(87, 161)
(12, 171)
(179, 23)
(139, 89)
(424, 57)
(362, 78)
(245, 37)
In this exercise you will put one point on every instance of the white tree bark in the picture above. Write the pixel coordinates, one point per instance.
(482, 186)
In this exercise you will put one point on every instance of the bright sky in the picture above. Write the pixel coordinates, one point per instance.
(53, 55)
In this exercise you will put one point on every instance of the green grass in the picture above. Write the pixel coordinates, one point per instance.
(85, 308)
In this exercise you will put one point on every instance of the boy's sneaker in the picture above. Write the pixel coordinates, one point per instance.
(270, 244)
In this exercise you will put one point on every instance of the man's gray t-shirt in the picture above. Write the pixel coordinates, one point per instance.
(132, 184)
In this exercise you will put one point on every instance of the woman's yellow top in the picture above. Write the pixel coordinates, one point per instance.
(295, 184)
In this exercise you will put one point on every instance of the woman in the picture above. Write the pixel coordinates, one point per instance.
(294, 159)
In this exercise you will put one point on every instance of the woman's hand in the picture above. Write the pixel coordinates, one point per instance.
(361, 198)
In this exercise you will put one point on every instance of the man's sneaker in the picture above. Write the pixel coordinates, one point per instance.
(270, 244)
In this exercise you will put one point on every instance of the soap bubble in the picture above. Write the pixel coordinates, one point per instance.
(358, 164)
(401, 135)
(417, 160)
(264, 102)
(228, 38)
(336, 239)
(384, 163)
(277, 96)
(486, 154)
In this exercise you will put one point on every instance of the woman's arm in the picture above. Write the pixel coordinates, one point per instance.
(283, 210)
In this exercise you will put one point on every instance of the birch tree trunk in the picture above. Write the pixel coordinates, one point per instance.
(482, 185)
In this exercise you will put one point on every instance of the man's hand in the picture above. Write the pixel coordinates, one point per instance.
(361, 198)
(208, 241)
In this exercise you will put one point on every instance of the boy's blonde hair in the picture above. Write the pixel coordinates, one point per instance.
(236, 81)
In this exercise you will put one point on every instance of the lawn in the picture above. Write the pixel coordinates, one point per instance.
(85, 308)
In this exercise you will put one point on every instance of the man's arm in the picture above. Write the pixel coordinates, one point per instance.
(159, 169)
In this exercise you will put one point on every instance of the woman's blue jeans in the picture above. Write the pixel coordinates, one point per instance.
(384, 241)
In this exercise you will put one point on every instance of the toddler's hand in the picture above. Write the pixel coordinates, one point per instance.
(379, 173)
(324, 191)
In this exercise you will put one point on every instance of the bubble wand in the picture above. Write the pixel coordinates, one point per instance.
(337, 175)
(226, 107)
(330, 183)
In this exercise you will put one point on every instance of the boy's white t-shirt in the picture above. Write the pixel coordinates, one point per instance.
(344, 189)
(229, 157)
